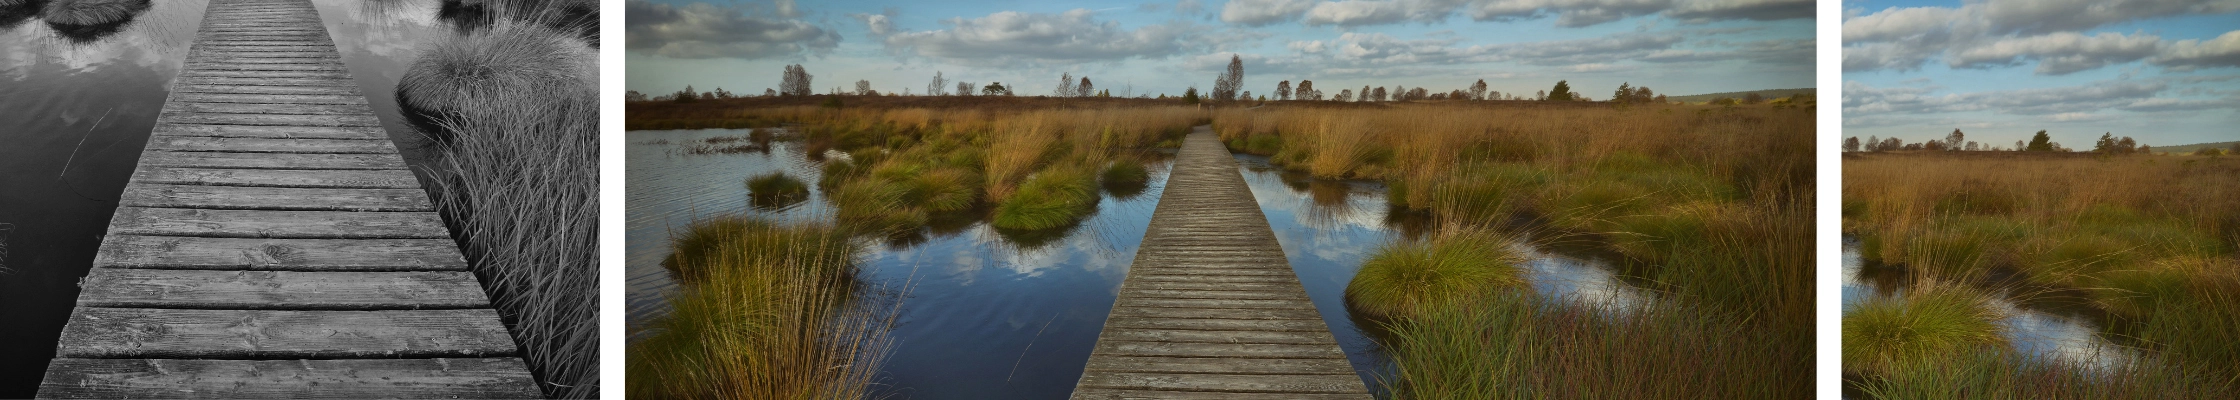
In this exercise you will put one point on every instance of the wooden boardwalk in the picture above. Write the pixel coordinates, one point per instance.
(273, 244)
(1210, 308)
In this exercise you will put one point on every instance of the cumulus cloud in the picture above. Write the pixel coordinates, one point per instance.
(1262, 12)
(1569, 13)
(1860, 99)
(2223, 51)
(1998, 33)
(1012, 38)
(700, 30)
(1307, 46)
(1704, 11)
(879, 24)
(1377, 12)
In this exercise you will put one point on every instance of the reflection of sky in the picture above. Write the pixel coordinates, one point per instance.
(982, 318)
(2033, 332)
(1326, 241)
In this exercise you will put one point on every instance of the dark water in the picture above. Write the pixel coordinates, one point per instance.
(987, 319)
(2044, 332)
(88, 101)
(75, 111)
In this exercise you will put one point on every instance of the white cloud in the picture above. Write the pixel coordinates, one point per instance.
(1015, 38)
(1997, 33)
(1307, 46)
(2223, 51)
(2059, 53)
(700, 30)
(1569, 13)
(1704, 11)
(1377, 12)
(1262, 12)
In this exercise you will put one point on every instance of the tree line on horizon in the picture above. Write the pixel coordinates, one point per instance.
(2108, 144)
(1229, 86)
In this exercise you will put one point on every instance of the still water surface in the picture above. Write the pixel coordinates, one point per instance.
(79, 108)
(988, 318)
(2043, 332)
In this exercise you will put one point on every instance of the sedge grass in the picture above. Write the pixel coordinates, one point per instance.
(1931, 320)
(81, 13)
(776, 190)
(1405, 279)
(1511, 346)
(519, 61)
(1052, 198)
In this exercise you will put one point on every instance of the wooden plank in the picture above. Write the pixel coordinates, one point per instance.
(1125, 394)
(1211, 294)
(359, 179)
(240, 81)
(1227, 383)
(440, 378)
(183, 252)
(270, 198)
(1134, 322)
(1218, 313)
(221, 73)
(1215, 365)
(99, 332)
(1210, 336)
(288, 290)
(181, 106)
(270, 160)
(293, 90)
(272, 119)
(271, 145)
(276, 224)
(319, 59)
(1231, 350)
(268, 98)
(271, 132)
(227, 66)
(1290, 303)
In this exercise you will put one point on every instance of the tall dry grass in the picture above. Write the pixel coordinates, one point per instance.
(1712, 205)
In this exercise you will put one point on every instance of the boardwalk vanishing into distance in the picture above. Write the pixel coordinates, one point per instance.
(273, 244)
(1210, 308)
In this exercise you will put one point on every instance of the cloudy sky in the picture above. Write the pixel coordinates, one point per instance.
(2161, 71)
(1163, 46)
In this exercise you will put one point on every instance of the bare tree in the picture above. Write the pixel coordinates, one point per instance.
(863, 87)
(1478, 90)
(1231, 80)
(1363, 95)
(1344, 95)
(964, 88)
(1283, 90)
(1378, 95)
(1086, 89)
(796, 81)
(1952, 141)
(1065, 85)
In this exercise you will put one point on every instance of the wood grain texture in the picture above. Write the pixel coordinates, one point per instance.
(437, 378)
(271, 145)
(201, 159)
(274, 198)
(1210, 308)
(273, 244)
(100, 332)
(276, 224)
(280, 290)
(186, 252)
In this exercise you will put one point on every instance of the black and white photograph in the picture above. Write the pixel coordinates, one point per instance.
(299, 199)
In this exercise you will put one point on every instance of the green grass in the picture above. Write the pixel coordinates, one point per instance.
(1404, 279)
(91, 12)
(770, 315)
(776, 190)
(1930, 321)
(1055, 197)
(1991, 373)
(875, 205)
(1125, 178)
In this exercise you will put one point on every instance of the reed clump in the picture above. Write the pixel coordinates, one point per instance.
(1514, 346)
(522, 61)
(770, 313)
(1405, 279)
(80, 13)
(1930, 320)
(776, 190)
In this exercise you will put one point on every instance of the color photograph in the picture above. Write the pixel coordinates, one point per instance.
(1276, 199)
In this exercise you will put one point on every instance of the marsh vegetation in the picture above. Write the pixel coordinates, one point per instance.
(2142, 247)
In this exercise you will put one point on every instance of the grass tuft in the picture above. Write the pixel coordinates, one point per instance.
(510, 60)
(79, 13)
(1052, 198)
(1405, 279)
(776, 190)
(1931, 320)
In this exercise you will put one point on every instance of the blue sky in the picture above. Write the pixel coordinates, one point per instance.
(2165, 72)
(1517, 46)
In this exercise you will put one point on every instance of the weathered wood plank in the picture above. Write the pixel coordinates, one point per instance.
(1211, 294)
(227, 66)
(271, 145)
(271, 132)
(1206, 336)
(1125, 394)
(99, 332)
(273, 119)
(181, 106)
(293, 74)
(281, 290)
(320, 178)
(1332, 384)
(270, 160)
(1215, 365)
(440, 378)
(266, 254)
(300, 90)
(1150, 302)
(270, 198)
(276, 224)
(1219, 313)
(1230, 350)
(242, 81)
